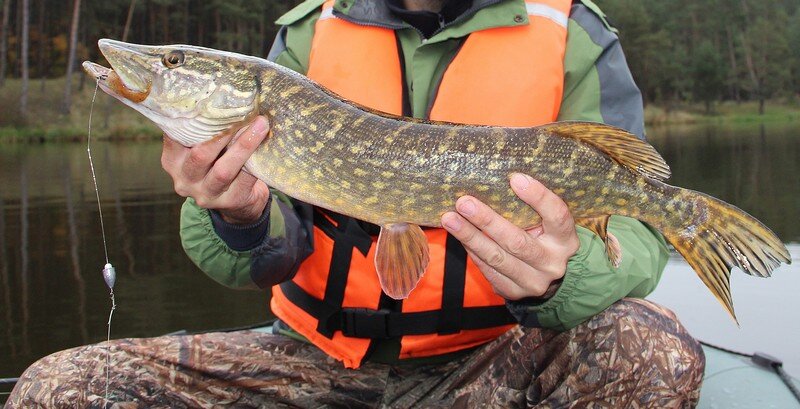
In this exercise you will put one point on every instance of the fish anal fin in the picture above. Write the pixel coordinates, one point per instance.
(620, 145)
(401, 257)
(613, 250)
(599, 226)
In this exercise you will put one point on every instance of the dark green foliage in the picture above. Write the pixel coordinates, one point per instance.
(237, 25)
(793, 37)
(679, 50)
(710, 50)
(708, 71)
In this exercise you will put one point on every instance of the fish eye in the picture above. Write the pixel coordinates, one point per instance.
(173, 59)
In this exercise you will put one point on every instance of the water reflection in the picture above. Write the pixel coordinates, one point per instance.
(753, 166)
(4, 280)
(121, 227)
(74, 244)
(26, 314)
(53, 295)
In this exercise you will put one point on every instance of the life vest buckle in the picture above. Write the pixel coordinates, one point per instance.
(365, 323)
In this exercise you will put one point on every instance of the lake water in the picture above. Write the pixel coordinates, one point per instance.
(52, 295)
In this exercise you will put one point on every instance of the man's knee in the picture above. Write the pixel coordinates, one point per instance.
(647, 343)
(53, 381)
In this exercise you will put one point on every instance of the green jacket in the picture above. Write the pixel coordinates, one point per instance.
(598, 87)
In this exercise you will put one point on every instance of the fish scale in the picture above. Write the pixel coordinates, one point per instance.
(403, 173)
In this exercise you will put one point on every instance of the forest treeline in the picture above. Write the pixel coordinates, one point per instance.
(710, 50)
(57, 35)
(678, 50)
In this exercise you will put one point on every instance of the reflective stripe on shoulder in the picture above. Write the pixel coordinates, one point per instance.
(327, 12)
(543, 10)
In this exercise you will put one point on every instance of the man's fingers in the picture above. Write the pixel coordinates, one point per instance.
(502, 285)
(228, 166)
(556, 217)
(513, 284)
(202, 156)
(484, 247)
(172, 155)
(244, 202)
(511, 238)
(239, 188)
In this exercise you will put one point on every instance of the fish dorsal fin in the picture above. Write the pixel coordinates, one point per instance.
(620, 145)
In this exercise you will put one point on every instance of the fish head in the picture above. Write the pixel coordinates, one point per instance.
(192, 93)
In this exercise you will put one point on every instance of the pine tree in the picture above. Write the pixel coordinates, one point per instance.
(23, 99)
(4, 41)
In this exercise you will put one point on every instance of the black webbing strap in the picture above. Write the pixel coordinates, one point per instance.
(385, 324)
(455, 272)
(346, 236)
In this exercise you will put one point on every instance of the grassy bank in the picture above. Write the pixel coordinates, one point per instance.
(723, 113)
(45, 121)
(112, 120)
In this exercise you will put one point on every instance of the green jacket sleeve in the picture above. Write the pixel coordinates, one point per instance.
(598, 87)
(281, 243)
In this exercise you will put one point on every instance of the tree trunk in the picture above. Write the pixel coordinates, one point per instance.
(23, 99)
(761, 105)
(241, 40)
(4, 41)
(152, 21)
(43, 38)
(84, 33)
(186, 19)
(165, 25)
(734, 73)
(127, 28)
(217, 29)
(262, 37)
(73, 45)
(751, 68)
(200, 32)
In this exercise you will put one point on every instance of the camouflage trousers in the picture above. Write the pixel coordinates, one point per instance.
(635, 354)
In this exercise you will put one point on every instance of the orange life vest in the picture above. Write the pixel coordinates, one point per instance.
(506, 76)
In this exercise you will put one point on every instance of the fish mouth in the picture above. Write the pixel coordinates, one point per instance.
(110, 81)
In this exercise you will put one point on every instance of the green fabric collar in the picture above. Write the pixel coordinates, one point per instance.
(301, 10)
(492, 14)
(483, 14)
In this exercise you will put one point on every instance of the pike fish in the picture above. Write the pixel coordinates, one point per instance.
(402, 173)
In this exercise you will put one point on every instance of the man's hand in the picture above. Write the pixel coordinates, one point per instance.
(217, 181)
(518, 263)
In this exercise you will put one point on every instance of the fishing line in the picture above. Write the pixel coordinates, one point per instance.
(91, 165)
(109, 273)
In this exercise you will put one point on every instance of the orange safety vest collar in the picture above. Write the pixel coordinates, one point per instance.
(505, 76)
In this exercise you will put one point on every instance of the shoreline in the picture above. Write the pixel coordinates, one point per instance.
(724, 113)
(112, 121)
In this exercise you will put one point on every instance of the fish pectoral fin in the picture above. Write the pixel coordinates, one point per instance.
(599, 226)
(401, 257)
(620, 145)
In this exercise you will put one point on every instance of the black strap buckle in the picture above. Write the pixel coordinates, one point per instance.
(365, 323)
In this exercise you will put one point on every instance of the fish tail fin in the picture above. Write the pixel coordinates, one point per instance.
(722, 236)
